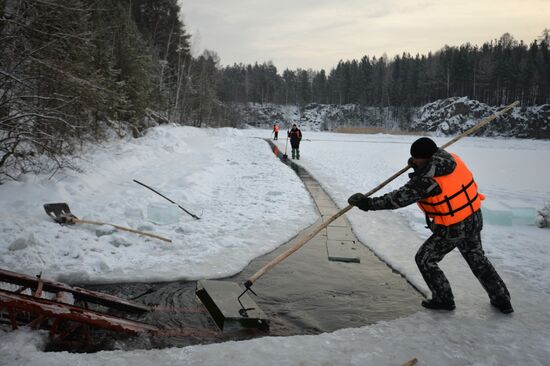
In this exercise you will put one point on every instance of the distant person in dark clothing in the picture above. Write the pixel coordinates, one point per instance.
(295, 136)
(446, 192)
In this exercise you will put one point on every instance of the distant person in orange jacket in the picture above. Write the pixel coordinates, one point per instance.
(446, 192)
(295, 136)
(276, 131)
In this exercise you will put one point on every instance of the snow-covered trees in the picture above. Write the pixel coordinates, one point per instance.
(68, 67)
(48, 89)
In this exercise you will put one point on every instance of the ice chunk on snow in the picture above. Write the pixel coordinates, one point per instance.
(22, 242)
(508, 216)
(105, 230)
(163, 214)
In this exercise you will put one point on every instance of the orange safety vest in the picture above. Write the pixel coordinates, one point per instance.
(276, 128)
(459, 197)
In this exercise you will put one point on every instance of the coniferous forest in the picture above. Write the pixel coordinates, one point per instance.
(498, 72)
(70, 70)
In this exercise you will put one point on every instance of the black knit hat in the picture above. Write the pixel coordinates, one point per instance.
(423, 148)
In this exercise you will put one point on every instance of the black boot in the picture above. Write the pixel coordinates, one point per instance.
(505, 306)
(439, 305)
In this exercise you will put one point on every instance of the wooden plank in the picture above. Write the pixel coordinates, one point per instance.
(327, 211)
(339, 233)
(343, 251)
(340, 222)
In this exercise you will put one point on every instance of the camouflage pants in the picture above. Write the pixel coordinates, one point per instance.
(466, 237)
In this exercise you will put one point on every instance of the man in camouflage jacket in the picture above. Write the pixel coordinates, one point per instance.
(465, 235)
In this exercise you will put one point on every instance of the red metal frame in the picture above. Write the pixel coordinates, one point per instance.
(78, 293)
(64, 320)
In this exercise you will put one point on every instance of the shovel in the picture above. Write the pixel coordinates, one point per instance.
(285, 156)
(61, 213)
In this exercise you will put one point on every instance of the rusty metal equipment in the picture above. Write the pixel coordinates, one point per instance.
(78, 293)
(48, 307)
(63, 319)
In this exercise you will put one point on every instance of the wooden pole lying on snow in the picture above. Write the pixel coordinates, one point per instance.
(79, 221)
(61, 213)
(308, 237)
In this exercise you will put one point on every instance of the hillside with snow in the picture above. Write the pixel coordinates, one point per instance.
(443, 117)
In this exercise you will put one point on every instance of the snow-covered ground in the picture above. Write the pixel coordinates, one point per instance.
(250, 203)
(229, 179)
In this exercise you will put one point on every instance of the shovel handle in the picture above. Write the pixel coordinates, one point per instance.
(308, 237)
(79, 221)
(295, 247)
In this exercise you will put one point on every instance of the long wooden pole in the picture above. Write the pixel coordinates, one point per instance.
(78, 221)
(308, 237)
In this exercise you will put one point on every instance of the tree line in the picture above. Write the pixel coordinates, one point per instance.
(498, 72)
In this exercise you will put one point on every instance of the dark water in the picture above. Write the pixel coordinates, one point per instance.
(304, 294)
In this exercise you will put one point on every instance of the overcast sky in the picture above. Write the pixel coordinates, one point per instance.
(318, 33)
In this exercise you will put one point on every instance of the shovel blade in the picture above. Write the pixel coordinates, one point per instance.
(220, 299)
(58, 211)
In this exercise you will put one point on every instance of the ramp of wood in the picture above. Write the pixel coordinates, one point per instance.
(343, 251)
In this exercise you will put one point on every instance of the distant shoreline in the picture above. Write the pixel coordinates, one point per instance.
(375, 130)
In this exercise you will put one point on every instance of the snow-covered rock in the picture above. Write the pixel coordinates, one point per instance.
(317, 117)
(455, 115)
(443, 117)
(543, 217)
(266, 114)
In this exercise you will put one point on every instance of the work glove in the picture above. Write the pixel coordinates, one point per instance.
(354, 199)
(361, 201)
